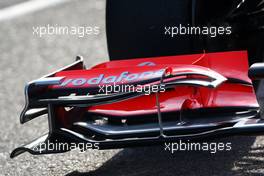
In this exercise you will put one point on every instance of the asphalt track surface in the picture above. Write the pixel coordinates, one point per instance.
(8, 3)
(24, 56)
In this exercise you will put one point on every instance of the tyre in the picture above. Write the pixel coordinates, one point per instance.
(135, 29)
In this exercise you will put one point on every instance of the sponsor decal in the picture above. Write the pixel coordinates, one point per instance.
(124, 77)
(146, 64)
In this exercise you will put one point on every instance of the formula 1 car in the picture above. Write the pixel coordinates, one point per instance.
(156, 88)
(188, 97)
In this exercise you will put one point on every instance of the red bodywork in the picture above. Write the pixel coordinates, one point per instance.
(237, 91)
(213, 88)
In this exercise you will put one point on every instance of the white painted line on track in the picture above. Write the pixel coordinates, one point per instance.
(26, 8)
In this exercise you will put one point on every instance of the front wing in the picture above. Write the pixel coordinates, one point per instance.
(237, 121)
